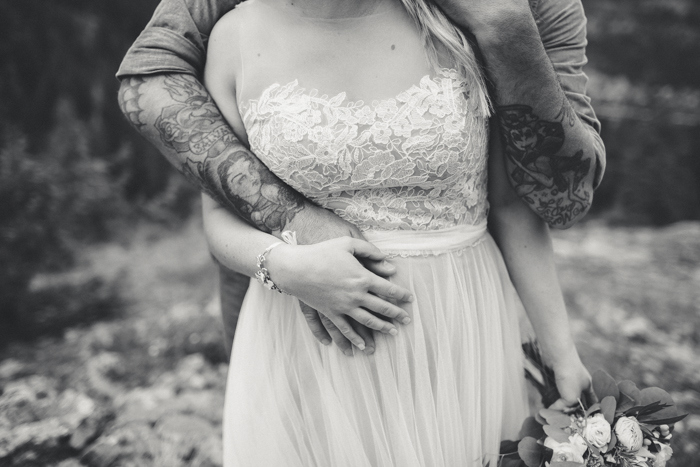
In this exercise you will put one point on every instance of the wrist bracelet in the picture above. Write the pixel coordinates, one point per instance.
(263, 275)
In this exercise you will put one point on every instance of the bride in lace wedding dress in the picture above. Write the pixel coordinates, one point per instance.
(354, 114)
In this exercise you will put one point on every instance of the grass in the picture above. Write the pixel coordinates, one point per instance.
(632, 293)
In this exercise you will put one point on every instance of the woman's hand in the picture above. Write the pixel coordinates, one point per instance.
(313, 225)
(329, 277)
(573, 383)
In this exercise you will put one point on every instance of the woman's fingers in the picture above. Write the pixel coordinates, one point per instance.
(380, 268)
(384, 308)
(364, 249)
(590, 395)
(313, 320)
(562, 405)
(340, 340)
(384, 288)
(367, 319)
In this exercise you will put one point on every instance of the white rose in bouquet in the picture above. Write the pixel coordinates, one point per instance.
(663, 456)
(597, 431)
(572, 451)
(629, 434)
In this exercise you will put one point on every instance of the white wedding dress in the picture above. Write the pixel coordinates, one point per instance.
(410, 171)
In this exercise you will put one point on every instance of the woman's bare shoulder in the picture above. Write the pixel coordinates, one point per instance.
(237, 29)
(235, 21)
(226, 39)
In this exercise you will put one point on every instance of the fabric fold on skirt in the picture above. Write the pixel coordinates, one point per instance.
(443, 392)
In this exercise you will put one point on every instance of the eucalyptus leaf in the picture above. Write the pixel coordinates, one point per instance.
(508, 462)
(530, 452)
(650, 395)
(604, 385)
(625, 403)
(540, 419)
(560, 420)
(607, 407)
(630, 389)
(509, 448)
(532, 428)
(613, 441)
(592, 409)
(557, 434)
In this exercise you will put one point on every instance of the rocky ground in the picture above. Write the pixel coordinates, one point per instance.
(146, 388)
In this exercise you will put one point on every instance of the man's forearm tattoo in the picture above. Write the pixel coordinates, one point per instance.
(552, 183)
(129, 94)
(217, 162)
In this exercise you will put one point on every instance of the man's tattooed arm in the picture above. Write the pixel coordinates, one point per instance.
(176, 113)
(552, 181)
(551, 158)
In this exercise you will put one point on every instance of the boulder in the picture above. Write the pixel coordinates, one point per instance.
(132, 444)
(39, 424)
(27, 400)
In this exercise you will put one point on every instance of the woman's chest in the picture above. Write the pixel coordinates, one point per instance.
(425, 136)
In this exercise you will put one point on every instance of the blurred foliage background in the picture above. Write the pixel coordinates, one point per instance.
(73, 171)
(77, 182)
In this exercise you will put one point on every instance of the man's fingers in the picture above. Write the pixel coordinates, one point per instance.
(380, 268)
(384, 308)
(344, 327)
(313, 320)
(367, 334)
(340, 340)
(386, 289)
(367, 319)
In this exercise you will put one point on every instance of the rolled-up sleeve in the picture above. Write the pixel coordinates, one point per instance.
(174, 41)
(562, 26)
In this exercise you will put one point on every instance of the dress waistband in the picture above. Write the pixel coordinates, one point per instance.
(426, 242)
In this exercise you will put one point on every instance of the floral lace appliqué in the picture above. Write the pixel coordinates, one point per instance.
(415, 161)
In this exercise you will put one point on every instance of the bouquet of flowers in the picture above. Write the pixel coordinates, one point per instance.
(629, 427)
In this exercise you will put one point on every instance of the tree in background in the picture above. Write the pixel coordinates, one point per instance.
(72, 171)
(71, 165)
(646, 57)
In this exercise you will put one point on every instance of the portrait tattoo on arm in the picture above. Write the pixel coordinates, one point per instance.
(550, 181)
(212, 157)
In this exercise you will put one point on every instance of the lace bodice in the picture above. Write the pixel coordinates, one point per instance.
(415, 161)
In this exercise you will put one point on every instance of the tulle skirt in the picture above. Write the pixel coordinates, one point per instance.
(443, 392)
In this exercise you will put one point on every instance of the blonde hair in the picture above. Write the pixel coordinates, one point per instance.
(436, 29)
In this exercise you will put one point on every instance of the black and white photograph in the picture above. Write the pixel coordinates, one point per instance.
(350, 233)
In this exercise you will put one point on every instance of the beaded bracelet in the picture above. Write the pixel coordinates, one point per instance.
(263, 275)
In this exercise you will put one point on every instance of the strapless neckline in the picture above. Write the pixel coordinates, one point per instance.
(414, 161)
(340, 99)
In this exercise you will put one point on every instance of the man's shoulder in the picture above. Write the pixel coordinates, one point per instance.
(556, 10)
(557, 18)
